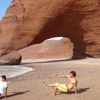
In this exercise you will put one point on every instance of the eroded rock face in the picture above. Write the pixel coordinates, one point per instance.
(11, 58)
(54, 48)
(0, 28)
(32, 21)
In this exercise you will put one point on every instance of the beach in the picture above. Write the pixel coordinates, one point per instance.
(43, 39)
(33, 85)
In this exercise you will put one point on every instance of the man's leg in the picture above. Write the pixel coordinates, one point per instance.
(55, 92)
(51, 85)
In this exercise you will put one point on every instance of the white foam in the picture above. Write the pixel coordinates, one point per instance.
(56, 38)
(13, 71)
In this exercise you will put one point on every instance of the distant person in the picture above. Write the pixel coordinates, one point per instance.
(3, 86)
(72, 84)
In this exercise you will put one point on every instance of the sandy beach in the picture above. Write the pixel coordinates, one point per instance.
(42, 39)
(31, 86)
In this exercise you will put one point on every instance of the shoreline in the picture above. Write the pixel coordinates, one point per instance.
(21, 70)
(14, 70)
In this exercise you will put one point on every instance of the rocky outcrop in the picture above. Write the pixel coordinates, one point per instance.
(52, 49)
(32, 21)
(11, 58)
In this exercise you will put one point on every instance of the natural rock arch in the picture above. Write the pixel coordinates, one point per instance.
(70, 27)
(42, 19)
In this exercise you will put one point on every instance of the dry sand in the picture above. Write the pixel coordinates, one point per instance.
(30, 86)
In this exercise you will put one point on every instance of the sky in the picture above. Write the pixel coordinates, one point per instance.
(4, 4)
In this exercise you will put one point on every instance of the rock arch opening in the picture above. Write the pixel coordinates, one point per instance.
(66, 24)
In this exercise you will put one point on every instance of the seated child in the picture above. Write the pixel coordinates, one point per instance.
(72, 83)
(3, 86)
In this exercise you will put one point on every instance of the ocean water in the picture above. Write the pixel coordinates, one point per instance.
(13, 71)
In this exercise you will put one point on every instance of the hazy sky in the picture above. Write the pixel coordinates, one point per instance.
(3, 7)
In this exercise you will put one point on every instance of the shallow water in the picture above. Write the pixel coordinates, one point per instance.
(13, 71)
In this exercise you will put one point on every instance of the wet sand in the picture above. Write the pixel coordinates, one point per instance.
(30, 86)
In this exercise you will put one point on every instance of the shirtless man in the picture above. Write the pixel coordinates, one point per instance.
(72, 84)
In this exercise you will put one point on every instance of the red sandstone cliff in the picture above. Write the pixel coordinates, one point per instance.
(32, 21)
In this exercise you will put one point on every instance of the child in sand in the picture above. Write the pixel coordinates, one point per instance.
(72, 84)
(3, 86)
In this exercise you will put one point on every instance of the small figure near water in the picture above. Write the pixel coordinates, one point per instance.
(3, 86)
(72, 84)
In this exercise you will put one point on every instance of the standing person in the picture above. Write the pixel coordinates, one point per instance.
(72, 84)
(3, 86)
